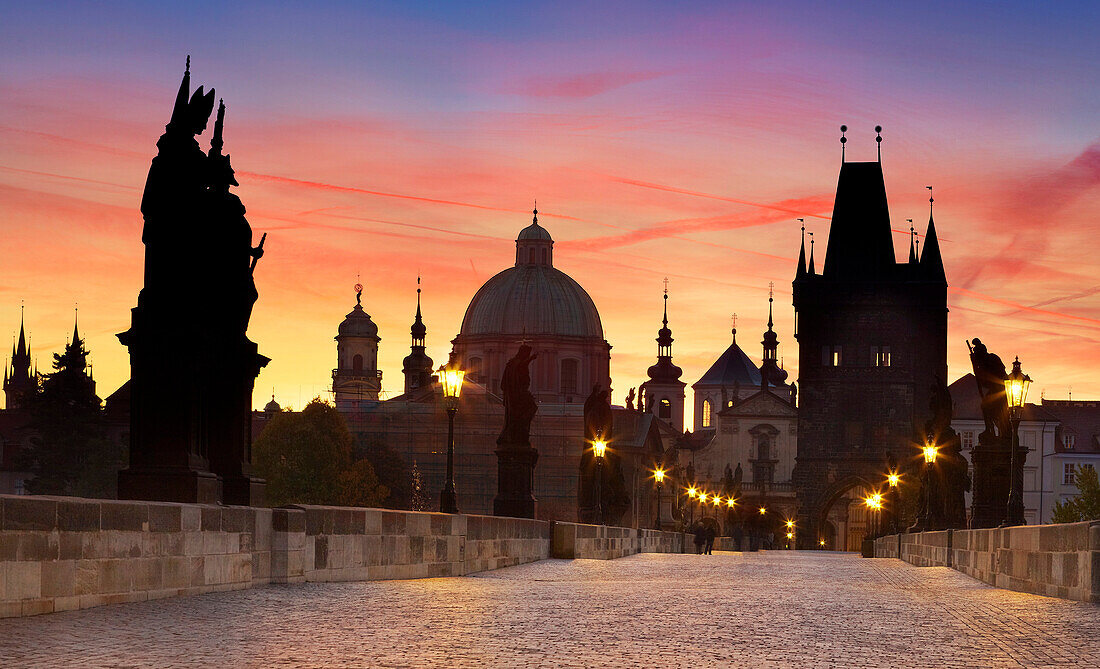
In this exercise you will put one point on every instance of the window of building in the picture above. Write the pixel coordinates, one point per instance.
(706, 413)
(544, 254)
(831, 356)
(357, 363)
(1069, 471)
(569, 376)
(664, 409)
(968, 439)
(1070, 440)
(880, 356)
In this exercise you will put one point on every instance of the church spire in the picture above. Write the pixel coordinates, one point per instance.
(417, 366)
(770, 371)
(912, 242)
(931, 262)
(664, 371)
(802, 251)
(76, 325)
(811, 268)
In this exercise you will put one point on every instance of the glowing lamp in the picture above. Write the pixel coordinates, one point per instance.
(451, 380)
(730, 502)
(790, 535)
(763, 510)
(692, 493)
(893, 479)
(703, 497)
(599, 448)
(930, 452)
(1016, 385)
(659, 476)
(717, 500)
(790, 524)
(822, 542)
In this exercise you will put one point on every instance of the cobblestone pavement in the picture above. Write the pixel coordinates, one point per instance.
(771, 609)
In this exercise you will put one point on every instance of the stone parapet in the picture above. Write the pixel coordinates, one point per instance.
(600, 542)
(1053, 560)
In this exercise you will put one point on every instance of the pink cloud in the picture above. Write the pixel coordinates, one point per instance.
(576, 86)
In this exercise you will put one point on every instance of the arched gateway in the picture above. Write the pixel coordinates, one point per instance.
(872, 341)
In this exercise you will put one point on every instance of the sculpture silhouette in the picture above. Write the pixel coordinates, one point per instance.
(192, 316)
(991, 456)
(516, 458)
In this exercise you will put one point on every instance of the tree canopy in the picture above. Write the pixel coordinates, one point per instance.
(306, 458)
(1086, 505)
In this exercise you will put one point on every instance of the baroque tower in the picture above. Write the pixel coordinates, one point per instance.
(417, 366)
(356, 377)
(663, 393)
(872, 335)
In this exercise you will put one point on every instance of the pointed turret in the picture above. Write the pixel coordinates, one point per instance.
(931, 263)
(811, 268)
(912, 243)
(770, 371)
(664, 391)
(20, 382)
(801, 271)
(417, 366)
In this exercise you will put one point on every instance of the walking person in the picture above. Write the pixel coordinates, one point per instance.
(700, 538)
(710, 534)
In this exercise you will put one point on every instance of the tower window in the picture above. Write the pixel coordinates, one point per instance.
(706, 413)
(880, 356)
(531, 256)
(568, 377)
(664, 409)
(357, 363)
(831, 356)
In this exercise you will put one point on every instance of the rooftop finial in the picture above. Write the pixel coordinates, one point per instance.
(811, 268)
(665, 319)
(771, 298)
(878, 140)
(930, 200)
(843, 141)
(216, 142)
(535, 212)
(187, 67)
(912, 241)
(733, 326)
(358, 292)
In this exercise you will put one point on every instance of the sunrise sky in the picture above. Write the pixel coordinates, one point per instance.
(387, 139)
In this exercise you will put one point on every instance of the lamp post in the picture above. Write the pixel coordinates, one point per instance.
(450, 378)
(893, 479)
(659, 480)
(790, 534)
(692, 494)
(703, 498)
(599, 448)
(927, 517)
(1016, 386)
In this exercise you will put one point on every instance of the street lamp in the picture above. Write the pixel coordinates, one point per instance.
(894, 479)
(873, 502)
(692, 493)
(821, 543)
(1016, 386)
(659, 480)
(450, 377)
(599, 449)
(763, 510)
(929, 516)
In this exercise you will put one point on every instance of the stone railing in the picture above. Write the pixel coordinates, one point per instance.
(1053, 560)
(577, 540)
(63, 553)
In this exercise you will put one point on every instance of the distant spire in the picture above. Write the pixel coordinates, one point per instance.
(878, 140)
(733, 327)
(932, 262)
(912, 242)
(419, 331)
(811, 268)
(535, 213)
(76, 325)
(843, 141)
(219, 123)
(179, 109)
(22, 349)
(802, 251)
(771, 298)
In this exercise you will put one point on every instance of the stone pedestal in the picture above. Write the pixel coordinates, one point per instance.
(991, 459)
(169, 484)
(515, 482)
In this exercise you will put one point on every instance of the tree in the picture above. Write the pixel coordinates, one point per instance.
(70, 452)
(1086, 505)
(417, 500)
(390, 468)
(306, 458)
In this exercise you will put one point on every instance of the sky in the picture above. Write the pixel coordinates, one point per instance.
(378, 141)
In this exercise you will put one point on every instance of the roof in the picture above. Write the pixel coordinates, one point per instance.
(532, 300)
(358, 324)
(967, 403)
(536, 232)
(633, 429)
(733, 366)
(1080, 418)
(860, 241)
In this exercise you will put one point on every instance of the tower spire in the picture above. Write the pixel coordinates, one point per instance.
(802, 251)
(931, 262)
(811, 268)
(771, 298)
(912, 242)
(770, 371)
(76, 325)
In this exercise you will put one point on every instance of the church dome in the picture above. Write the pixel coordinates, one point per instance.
(358, 324)
(534, 297)
(272, 406)
(533, 300)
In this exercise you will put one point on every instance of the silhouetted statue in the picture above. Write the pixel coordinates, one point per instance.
(191, 317)
(597, 415)
(989, 371)
(598, 425)
(515, 457)
(738, 476)
(519, 404)
(991, 456)
(630, 400)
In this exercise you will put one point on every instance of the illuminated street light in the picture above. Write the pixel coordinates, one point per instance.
(1016, 386)
(599, 449)
(730, 502)
(763, 510)
(893, 479)
(450, 378)
(659, 480)
(790, 524)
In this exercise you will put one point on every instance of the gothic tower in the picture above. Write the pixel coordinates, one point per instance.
(663, 393)
(357, 377)
(417, 366)
(19, 381)
(872, 336)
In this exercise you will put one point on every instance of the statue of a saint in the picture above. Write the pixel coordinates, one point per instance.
(519, 404)
(989, 371)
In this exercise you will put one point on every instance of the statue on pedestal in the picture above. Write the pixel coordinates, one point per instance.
(991, 456)
(515, 457)
(191, 319)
